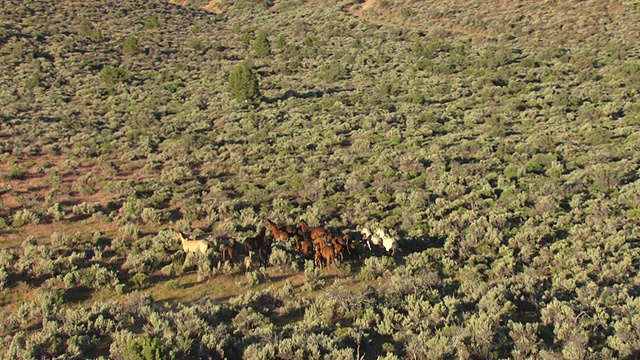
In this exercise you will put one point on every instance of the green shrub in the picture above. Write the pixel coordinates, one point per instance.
(111, 76)
(243, 84)
(152, 23)
(146, 349)
(131, 46)
(55, 212)
(256, 277)
(172, 285)
(281, 42)
(15, 173)
(261, 45)
(139, 280)
(91, 32)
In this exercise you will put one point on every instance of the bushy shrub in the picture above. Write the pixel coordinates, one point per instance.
(85, 208)
(113, 75)
(313, 276)
(131, 46)
(256, 277)
(280, 258)
(95, 277)
(261, 45)
(243, 84)
(375, 267)
(152, 23)
(139, 280)
(55, 213)
(25, 216)
(151, 216)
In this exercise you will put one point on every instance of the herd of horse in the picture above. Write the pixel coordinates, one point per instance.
(316, 243)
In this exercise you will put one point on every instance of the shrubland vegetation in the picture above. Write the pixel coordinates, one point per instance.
(498, 140)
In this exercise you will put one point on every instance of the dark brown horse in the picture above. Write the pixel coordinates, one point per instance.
(253, 244)
(351, 247)
(264, 252)
(259, 245)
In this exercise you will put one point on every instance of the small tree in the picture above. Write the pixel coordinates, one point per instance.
(243, 84)
(261, 45)
(152, 23)
(131, 46)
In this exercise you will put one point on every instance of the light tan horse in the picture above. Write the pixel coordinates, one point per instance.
(192, 245)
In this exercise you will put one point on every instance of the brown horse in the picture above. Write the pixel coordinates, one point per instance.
(339, 245)
(315, 233)
(325, 252)
(279, 233)
(306, 247)
(228, 250)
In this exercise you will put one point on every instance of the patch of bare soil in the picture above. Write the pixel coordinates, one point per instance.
(47, 180)
(545, 16)
(214, 6)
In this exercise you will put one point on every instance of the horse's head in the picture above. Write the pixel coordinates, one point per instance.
(381, 233)
(178, 236)
(366, 232)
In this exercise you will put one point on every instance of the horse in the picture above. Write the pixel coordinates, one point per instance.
(280, 233)
(306, 246)
(372, 240)
(345, 246)
(350, 247)
(388, 242)
(315, 233)
(264, 252)
(339, 245)
(256, 242)
(260, 245)
(192, 245)
(248, 261)
(325, 252)
(228, 250)
(380, 238)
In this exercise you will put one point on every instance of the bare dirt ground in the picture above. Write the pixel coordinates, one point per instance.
(215, 6)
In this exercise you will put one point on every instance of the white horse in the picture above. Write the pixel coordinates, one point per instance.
(192, 245)
(372, 240)
(379, 238)
(388, 242)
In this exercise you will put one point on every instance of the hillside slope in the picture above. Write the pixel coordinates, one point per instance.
(506, 162)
